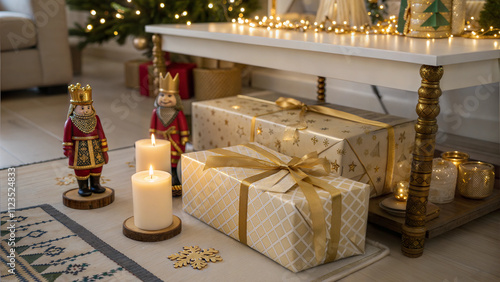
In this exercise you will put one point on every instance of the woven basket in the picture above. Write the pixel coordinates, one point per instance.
(216, 83)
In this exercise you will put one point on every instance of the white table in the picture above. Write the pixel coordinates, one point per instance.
(384, 60)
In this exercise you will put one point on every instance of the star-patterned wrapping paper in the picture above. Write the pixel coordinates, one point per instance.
(355, 150)
(278, 224)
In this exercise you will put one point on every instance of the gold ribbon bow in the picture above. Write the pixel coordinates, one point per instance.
(304, 173)
(290, 104)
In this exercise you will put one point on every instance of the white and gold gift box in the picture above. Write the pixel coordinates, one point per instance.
(375, 149)
(273, 214)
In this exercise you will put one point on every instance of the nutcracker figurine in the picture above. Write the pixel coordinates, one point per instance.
(84, 142)
(168, 121)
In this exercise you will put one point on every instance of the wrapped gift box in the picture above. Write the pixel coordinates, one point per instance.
(278, 224)
(356, 150)
(185, 71)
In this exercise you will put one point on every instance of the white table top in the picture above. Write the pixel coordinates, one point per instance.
(390, 47)
(360, 58)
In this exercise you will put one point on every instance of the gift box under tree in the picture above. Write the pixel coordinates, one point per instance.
(185, 71)
(365, 146)
(291, 210)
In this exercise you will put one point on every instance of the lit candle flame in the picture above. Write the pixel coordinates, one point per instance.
(151, 171)
(153, 141)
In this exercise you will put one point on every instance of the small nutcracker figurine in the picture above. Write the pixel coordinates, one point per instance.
(84, 142)
(168, 121)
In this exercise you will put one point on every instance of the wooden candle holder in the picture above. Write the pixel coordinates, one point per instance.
(133, 232)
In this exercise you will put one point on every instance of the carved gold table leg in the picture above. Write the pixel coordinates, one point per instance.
(413, 232)
(158, 63)
(321, 89)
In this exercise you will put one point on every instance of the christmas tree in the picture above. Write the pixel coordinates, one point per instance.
(375, 11)
(436, 20)
(490, 16)
(118, 19)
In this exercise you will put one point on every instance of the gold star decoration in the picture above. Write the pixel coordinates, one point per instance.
(240, 131)
(195, 256)
(271, 131)
(327, 119)
(296, 140)
(376, 168)
(366, 152)
(314, 140)
(284, 120)
(326, 142)
(335, 166)
(259, 130)
(374, 137)
(324, 128)
(277, 144)
(379, 179)
(212, 112)
(341, 152)
(346, 131)
(352, 166)
(359, 141)
(310, 121)
(226, 122)
(402, 136)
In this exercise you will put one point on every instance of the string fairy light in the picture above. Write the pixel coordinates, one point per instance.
(387, 26)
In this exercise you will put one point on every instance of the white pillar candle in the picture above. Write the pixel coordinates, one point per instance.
(152, 199)
(152, 152)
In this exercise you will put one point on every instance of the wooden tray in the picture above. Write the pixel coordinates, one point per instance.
(451, 215)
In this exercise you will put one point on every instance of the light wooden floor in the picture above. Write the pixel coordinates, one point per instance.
(31, 131)
(32, 123)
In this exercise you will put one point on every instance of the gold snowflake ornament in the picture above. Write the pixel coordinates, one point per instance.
(195, 256)
(66, 180)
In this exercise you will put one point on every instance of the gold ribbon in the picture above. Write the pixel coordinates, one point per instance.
(304, 172)
(292, 104)
(167, 134)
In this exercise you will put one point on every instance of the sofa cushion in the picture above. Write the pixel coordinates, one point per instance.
(17, 31)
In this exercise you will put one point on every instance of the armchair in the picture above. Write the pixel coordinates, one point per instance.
(34, 44)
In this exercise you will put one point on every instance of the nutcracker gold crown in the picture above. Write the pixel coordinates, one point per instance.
(79, 95)
(169, 84)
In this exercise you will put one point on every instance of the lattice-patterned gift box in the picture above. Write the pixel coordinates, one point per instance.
(361, 145)
(278, 224)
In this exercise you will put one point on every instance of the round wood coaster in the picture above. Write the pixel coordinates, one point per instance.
(73, 200)
(131, 231)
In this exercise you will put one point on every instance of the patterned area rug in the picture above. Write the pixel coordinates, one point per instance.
(49, 246)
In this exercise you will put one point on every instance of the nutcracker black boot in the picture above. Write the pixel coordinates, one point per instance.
(83, 188)
(95, 186)
(175, 178)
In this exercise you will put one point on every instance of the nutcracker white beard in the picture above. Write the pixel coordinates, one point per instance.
(166, 114)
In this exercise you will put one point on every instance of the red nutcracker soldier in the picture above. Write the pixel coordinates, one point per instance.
(84, 142)
(168, 121)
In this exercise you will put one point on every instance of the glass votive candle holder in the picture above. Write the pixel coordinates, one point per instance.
(400, 190)
(443, 181)
(476, 180)
(455, 157)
